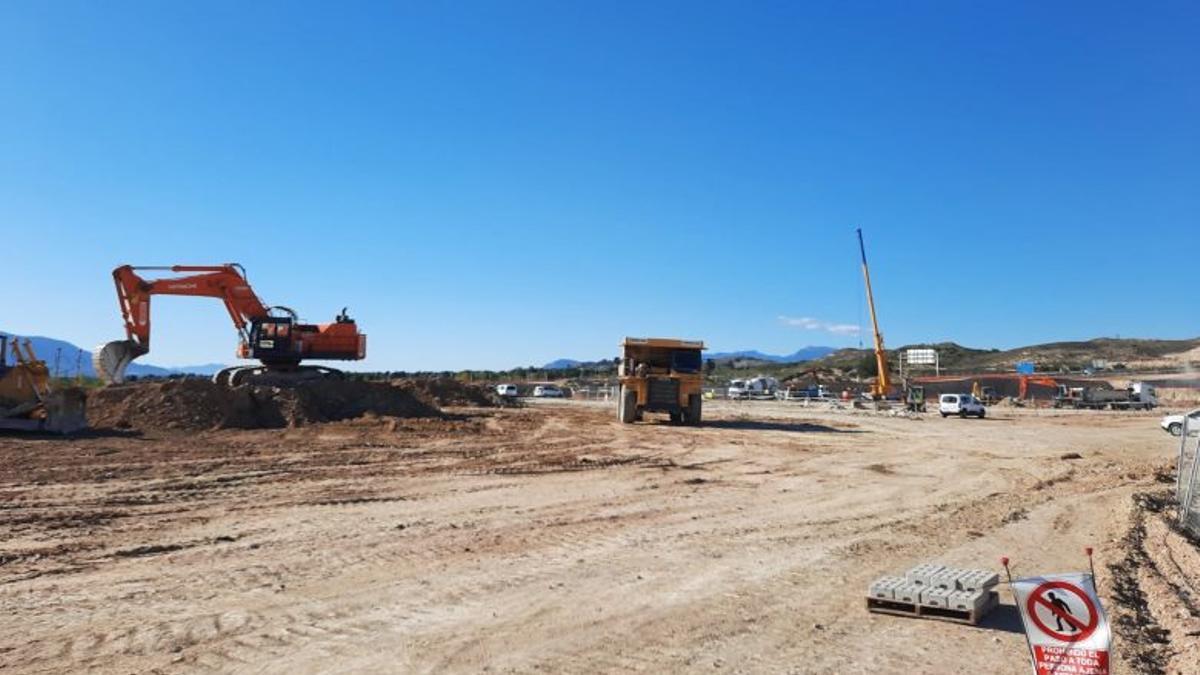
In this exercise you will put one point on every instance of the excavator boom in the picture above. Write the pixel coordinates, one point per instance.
(273, 335)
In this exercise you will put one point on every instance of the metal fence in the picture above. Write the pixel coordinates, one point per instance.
(1187, 487)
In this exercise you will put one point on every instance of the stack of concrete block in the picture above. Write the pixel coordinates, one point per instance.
(939, 587)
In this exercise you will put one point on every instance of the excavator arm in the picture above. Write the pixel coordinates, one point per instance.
(226, 282)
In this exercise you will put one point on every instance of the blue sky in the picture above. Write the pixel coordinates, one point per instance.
(504, 183)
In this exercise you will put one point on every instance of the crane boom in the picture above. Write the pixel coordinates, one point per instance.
(883, 382)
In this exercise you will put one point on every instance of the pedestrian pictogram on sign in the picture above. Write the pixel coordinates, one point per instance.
(1046, 607)
(1065, 625)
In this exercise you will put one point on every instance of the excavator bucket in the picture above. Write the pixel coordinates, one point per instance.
(111, 360)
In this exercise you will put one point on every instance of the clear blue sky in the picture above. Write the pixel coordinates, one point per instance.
(504, 183)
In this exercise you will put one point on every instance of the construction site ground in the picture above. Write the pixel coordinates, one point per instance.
(551, 538)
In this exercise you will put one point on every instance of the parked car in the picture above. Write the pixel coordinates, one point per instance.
(547, 391)
(507, 390)
(962, 405)
(1173, 424)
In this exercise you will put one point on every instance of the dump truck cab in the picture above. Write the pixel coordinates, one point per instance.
(661, 375)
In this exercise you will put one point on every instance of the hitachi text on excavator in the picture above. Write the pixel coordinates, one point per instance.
(271, 334)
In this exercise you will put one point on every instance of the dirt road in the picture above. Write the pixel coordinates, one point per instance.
(554, 539)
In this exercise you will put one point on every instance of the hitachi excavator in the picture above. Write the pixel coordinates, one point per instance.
(271, 334)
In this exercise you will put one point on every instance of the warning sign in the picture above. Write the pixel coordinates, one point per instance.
(1065, 624)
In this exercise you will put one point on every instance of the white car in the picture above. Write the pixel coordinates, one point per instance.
(547, 391)
(963, 405)
(737, 389)
(1173, 424)
(507, 390)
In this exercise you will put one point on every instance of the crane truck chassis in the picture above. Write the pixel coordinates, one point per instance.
(1136, 396)
(661, 375)
(272, 334)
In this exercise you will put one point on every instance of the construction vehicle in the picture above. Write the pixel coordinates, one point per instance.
(986, 395)
(660, 375)
(1023, 392)
(1136, 396)
(27, 401)
(271, 334)
(914, 398)
(883, 381)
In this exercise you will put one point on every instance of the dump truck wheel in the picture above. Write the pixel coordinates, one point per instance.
(676, 418)
(627, 406)
(693, 410)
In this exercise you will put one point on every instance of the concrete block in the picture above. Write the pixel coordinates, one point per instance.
(975, 580)
(909, 592)
(968, 601)
(884, 588)
(947, 578)
(924, 573)
(936, 597)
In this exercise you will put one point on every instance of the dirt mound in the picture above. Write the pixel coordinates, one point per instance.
(447, 391)
(195, 404)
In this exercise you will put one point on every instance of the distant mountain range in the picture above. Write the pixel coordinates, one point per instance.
(802, 354)
(48, 349)
(798, 356)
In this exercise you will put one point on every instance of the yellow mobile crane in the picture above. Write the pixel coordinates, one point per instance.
(883, 382)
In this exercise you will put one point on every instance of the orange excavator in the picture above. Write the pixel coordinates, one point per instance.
(271, 334)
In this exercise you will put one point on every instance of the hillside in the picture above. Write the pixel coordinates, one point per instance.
(1119, 353)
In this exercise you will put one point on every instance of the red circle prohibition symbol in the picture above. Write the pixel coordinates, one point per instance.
(1083, 631)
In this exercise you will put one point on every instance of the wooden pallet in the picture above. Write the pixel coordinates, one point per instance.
(898, 608)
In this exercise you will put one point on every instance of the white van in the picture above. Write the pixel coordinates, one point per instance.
(962, 405)
(507, 390)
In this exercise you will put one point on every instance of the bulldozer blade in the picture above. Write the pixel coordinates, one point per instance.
(111, 360)
(66, 411)
(61, 412)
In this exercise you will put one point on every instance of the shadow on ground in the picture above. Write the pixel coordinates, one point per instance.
(1003, 618)
(100, 432)
(768, 425)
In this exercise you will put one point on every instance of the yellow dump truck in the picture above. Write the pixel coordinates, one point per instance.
(661, 375)
(27, 402)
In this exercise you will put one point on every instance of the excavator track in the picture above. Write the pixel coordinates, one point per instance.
(268, 377)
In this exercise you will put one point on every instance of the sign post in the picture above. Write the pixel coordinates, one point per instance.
(1065, 626)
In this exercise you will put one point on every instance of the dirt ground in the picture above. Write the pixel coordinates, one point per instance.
(553, 539)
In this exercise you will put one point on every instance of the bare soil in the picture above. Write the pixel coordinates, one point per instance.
(554, 539)
(198, 404)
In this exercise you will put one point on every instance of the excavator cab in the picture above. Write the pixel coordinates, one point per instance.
(271, 340)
